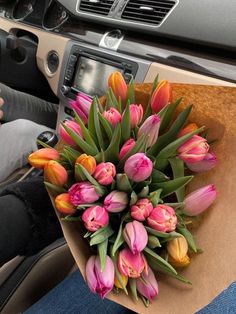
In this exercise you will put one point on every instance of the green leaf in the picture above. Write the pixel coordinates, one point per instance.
(144, 192)
(133, 198)
(177, 166)
(91, 124)
(102, 252)
(87, 148)
(170, 136)
(97, 125)
(169, 114)
(101, 236)
(188, 236)
(131, 93)
(133, 288)
(119, 240)
(106, 125)
(86, 134)
(158, 176)
(43, 144)
(161, 268)
(154, 197)
(125, 123)
(112, 152)
(159, 260)
(153, 242)
(100, 107)
(71, 218)
(79, 175)
(54, 190)
(157, 233)
(123, 183)
(171, 186)
(111, 101)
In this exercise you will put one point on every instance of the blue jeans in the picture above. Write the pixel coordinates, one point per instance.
(72, 296)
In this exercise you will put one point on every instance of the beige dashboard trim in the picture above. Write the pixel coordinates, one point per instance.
(46, 42)
(176, 75)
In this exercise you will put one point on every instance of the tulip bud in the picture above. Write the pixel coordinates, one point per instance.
(147, 285)
(150, 127)
(100, 282)
(128, 145)
(161, 96)
(116, 201)
(153, 242)
(138, 167)
(118, 85)
(162, 218)
(188, 129)
(95, 217)
(178, 249)
(199, 200)
(55, 173)
(88, 162)
(135, 236)
(206, 164)
(142, 209)
(82, 106)
(124, 281)
(136, 115)
(113, 116)
(193, 150)
(83, 193)
(104, 173)
(131, 265)
(41, 157)
(63, 204)
(74, 127)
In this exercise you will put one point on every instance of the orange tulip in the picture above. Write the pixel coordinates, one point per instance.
(177, 249)
(118, 85)
(88, 162)
(161, 96)
(39, 158)
(188, 129)
(63, 204)
(55, 173)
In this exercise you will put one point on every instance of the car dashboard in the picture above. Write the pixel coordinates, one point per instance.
(80, 42)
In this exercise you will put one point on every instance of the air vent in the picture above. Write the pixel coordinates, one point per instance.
(147, 11)
(101, 7)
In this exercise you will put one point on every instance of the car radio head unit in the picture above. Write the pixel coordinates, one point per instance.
(88, 73)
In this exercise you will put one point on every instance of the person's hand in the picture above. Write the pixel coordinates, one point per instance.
(1, 112)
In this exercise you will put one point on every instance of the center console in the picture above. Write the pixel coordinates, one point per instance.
(86, 69)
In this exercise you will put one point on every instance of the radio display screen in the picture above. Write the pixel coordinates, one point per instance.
(91, 76)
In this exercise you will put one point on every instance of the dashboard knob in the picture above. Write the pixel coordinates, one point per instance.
(65, 89)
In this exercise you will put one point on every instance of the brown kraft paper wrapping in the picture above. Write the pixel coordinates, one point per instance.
(214, 269)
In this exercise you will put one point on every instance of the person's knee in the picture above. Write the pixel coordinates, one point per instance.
(27, 129)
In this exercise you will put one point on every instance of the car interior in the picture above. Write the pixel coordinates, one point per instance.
(61, 47)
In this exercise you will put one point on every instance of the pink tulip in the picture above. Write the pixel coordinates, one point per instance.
(118, 85)
(138, 167)
(128, 145)
(135, 236)
(113, 116)
(104, 173)
(136, 115)
(206, 164)
(74, 127)
(95, 217)
(150, 127)
(131, 265)
(83, 193)
(142, 209)
(82, 106)
(116, 201)
(193, 150)
(100, 282)
(162, 218)
(161, 96)
(147, 285)
(199, 200)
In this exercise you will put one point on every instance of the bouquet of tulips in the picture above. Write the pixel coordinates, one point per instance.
(122, 172)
